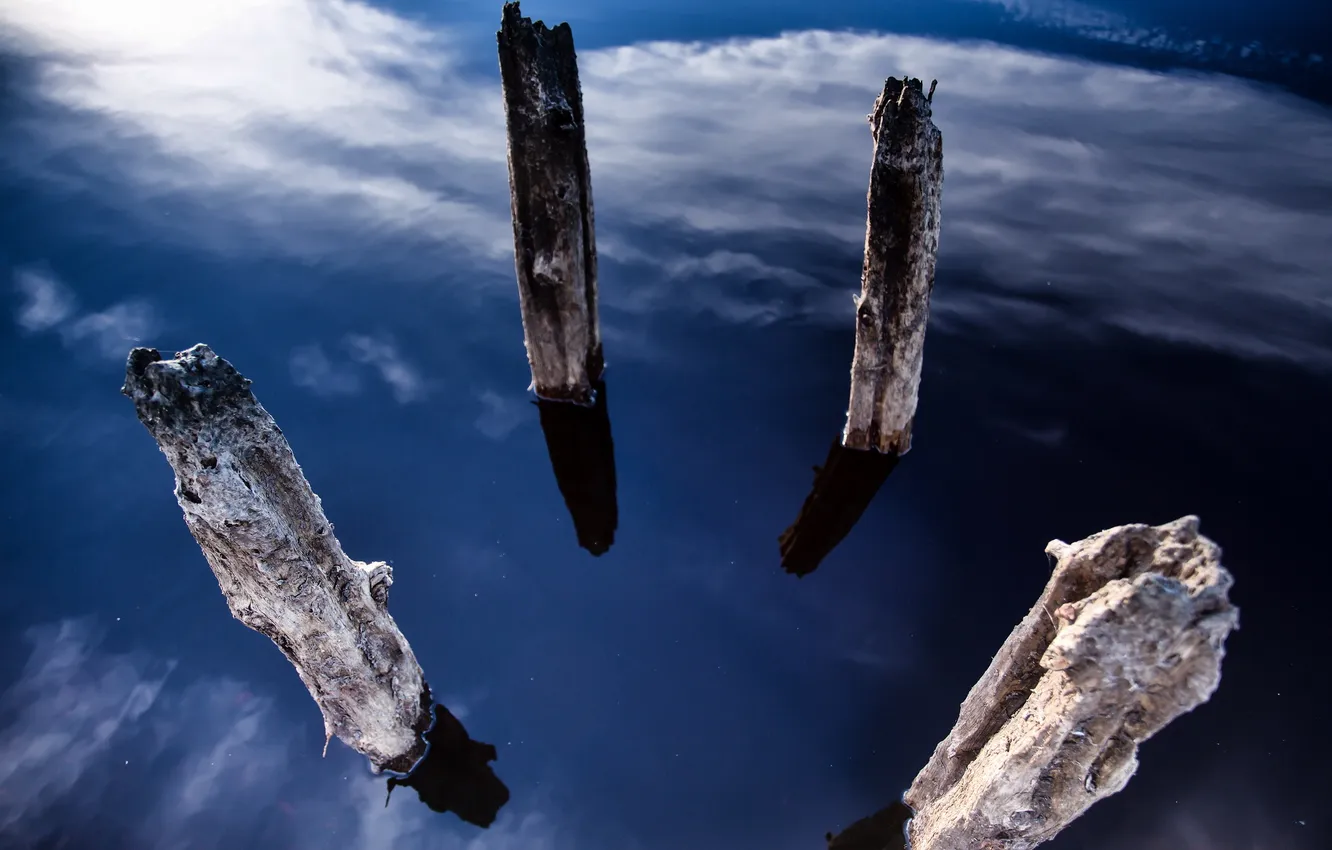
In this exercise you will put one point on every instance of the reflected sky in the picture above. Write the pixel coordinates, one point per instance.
(1131, 322)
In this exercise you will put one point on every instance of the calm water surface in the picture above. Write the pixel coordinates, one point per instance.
(1132, 321)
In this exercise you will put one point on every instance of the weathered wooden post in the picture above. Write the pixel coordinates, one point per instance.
(901, 244)
(263, 531)
(555, 252)
(1128, 634)
(892, 311)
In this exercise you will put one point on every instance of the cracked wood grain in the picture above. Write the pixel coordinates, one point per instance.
(1128, 634)
(901, 245)
(282, 572)
(555, 254)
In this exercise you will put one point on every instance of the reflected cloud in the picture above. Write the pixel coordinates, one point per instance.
(70, 704)
(335, 130)
(305, 115)
(210, 762)
(112, 329)
(499, 416)
(49, 305)
(381, 354)
(46, 301)
(313, 370)
(239, 750)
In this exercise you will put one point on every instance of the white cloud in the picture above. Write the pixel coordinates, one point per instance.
(48, 305)
(47, 302)
(82, 716)
(301, 111)
(1186, 207)
(311, 369)
(381, 353)
(500, 415)
(113, 331)
(70, 705)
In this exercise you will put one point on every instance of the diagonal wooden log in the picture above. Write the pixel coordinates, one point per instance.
(901, 244)
(283, 573)
(555, 253)
(1128, 635)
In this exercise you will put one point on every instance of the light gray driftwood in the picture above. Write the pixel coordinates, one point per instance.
(1128, 634)
(555, 252)
(281, 570)
(901, 243)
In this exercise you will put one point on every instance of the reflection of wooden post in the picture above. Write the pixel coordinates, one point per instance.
(901, 242)
(843, 487)
(883, 830)
(455, 775)
(283, 573)
(582, 454)
(555, 252)
(1128, 634)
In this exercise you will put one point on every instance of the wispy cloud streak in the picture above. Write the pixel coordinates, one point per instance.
(314, 370)
(69, 706)
(80, 718)
(48, 305)
(1187, 207)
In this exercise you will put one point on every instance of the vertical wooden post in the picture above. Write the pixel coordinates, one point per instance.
(901, 243)
(555, 253)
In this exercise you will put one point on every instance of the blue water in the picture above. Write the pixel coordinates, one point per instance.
(1132, 321)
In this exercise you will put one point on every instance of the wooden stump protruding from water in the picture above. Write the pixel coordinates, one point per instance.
(555, 252)
(1128, 635)
(901, 244)
(283, 573)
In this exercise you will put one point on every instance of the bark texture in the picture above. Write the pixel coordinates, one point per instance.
(901, 243)
(1128, 634)
(843, 487)
(582, 455)
(280, 568)
(555, 254)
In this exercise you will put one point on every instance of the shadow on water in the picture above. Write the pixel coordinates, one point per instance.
(455, 775)
(843, 487)
(582, 455)
(883, 830)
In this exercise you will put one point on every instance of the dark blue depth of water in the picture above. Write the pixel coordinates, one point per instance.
(1132, 321)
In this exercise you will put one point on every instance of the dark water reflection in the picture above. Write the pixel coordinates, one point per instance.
(455, 774)
(1131, 323)
(843, 487)
(582, 455)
